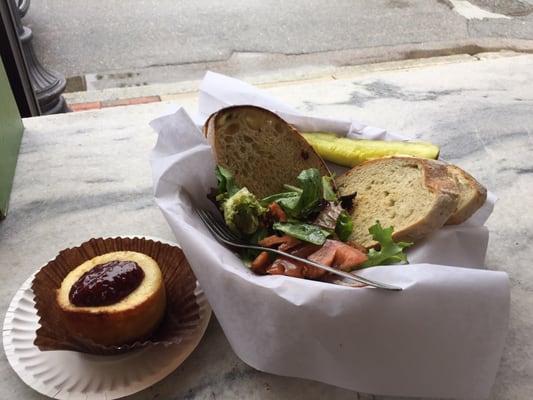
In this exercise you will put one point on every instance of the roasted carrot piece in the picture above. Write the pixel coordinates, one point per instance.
(311, 272)
(261, 262)
(276, 269)
(289, 267)
(274, 240)
(271, 241)
(326, 254)
(290, 243)
(347, 257)
(277, 212)
(304, 250)
(285, 266)
(339, 255)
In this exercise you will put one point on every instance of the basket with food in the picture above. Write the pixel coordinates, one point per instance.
(260, 196)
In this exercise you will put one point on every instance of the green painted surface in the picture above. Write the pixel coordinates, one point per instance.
(11, 129)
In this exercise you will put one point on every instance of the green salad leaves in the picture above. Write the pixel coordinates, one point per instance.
(299, 202)
(328, 191)
(226, 186)
(314, 213)
(344, 226)
(390, 252)
(313, 207)
(300, 230)
(242, 212)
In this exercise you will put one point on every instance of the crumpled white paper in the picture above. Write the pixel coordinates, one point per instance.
(442, 336)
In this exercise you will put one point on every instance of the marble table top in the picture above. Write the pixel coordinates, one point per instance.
(86, 174)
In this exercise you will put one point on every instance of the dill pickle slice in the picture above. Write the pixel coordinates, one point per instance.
(350, 152)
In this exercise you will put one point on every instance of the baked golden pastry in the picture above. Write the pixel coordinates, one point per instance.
(113, 299)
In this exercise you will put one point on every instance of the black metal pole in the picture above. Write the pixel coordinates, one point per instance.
(12, 57)
(48, 85)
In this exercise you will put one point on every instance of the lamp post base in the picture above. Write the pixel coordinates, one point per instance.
(48, 85)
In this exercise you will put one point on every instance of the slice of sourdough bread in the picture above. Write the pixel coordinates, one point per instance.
(260, 149)
(413, 195)
(472, 195)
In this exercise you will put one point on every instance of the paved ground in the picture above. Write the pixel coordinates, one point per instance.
(134, 42)
(477, 108)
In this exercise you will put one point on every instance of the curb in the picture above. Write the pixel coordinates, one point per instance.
(96, 105)
(112, 97)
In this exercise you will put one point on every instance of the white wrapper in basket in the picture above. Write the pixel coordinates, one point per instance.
(442, 336)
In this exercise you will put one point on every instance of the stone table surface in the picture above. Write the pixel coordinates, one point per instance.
(87, 174)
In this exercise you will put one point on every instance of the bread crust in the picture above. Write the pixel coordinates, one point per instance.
(461, 214)
(213, 126)
(436, 180)
(207, 123)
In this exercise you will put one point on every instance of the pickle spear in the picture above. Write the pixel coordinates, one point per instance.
(350, 152)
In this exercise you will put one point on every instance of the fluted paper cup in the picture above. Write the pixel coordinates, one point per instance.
(182, 313)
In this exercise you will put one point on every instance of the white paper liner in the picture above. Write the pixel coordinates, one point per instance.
(442, 336)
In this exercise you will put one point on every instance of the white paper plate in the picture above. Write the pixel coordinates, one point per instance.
(73, 375)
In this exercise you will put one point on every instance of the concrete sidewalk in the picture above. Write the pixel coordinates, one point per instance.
(112, 97)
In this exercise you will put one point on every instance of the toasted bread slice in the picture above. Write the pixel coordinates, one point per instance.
(414, 196)
(472, 195)
(260, 149)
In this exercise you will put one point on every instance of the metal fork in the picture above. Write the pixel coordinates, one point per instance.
(222, 233)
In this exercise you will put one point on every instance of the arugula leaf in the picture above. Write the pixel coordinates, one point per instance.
(226, 183)
(279, 196)
(300, 202)
(287, 200)
(344, 226)
(390, 253)
(311, 196)
(289, 204)
(306, 232)
(328, 193)
(292, 188)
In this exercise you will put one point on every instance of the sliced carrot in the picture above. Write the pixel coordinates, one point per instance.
(333, 253)
(290, 243)
(338, 255)
(326, 254)
(274, 240)
(261, 262)
(347, 258)
(285, 266)
(276, 269)
(271, 241)
(311, 272)
(304, 250)
(277, 212)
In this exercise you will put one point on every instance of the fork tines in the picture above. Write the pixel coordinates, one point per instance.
(217, 227)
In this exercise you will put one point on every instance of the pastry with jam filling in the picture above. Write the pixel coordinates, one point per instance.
(113, 299)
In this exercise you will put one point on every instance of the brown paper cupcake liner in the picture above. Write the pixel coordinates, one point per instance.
(182, 315)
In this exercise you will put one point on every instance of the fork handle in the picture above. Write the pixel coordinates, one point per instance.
(335, 271)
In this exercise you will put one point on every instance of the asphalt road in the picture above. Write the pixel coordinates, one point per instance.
(128, 42)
